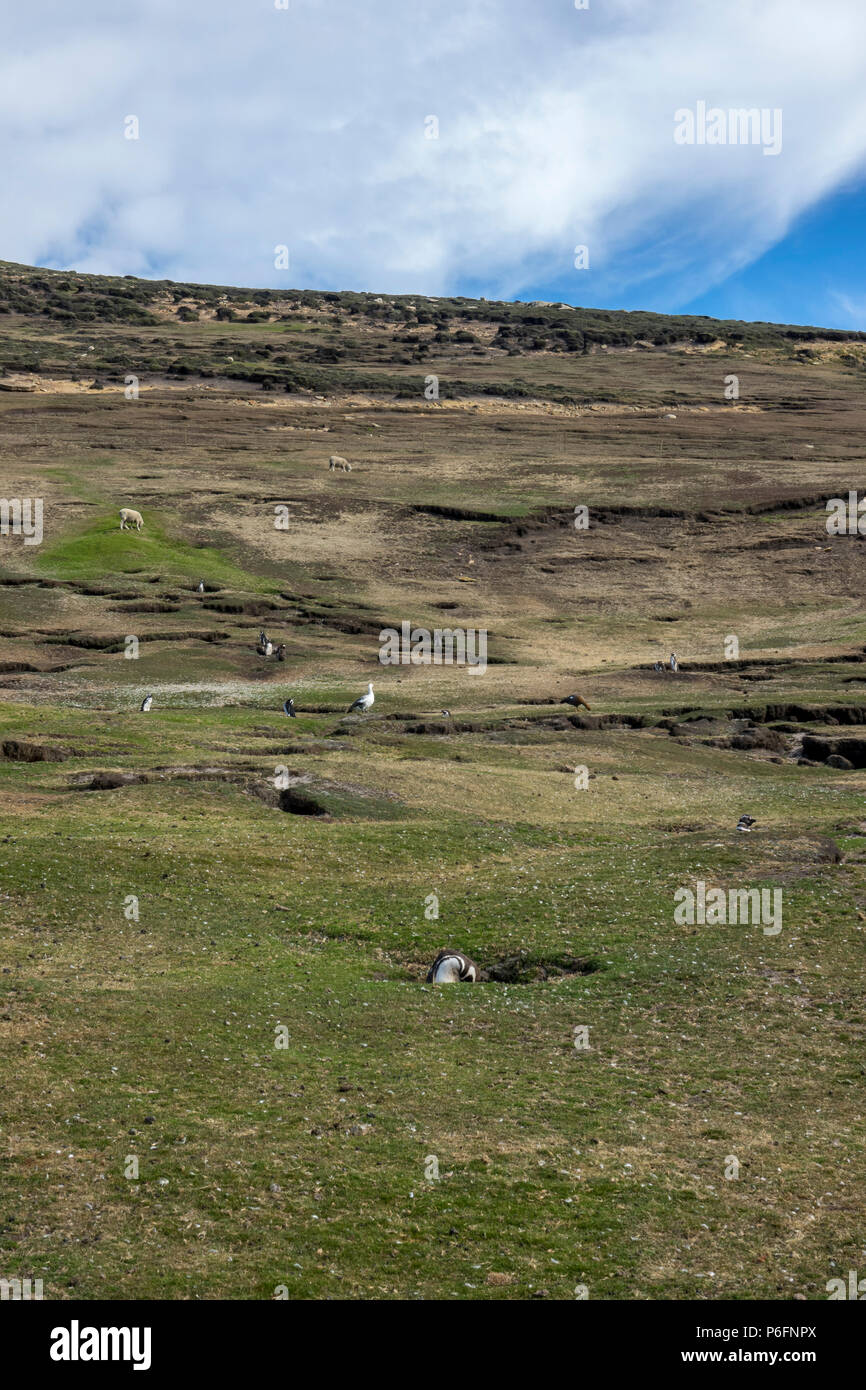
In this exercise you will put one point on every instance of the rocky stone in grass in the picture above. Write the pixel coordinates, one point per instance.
(836, 760)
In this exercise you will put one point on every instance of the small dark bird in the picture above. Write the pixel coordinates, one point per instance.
(575, 700)
(146, 703)
(289, 708)
(745, 822)
(451, 968)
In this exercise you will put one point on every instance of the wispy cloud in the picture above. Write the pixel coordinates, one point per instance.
(851, 308)
(306, 127)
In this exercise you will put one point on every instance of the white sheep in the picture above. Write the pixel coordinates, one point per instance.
(130, 517)
(335, 462)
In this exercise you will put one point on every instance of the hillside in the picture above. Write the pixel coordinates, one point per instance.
(307, 340)
(216, 920)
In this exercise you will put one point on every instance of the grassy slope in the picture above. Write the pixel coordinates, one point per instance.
(155, 1037)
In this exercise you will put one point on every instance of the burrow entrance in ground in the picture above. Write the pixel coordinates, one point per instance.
(301, 803)
(534, 969)
(526, 968)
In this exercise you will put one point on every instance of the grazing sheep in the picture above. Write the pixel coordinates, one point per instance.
(130, 517)
(336, 462)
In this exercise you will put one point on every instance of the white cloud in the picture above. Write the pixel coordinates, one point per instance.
(306, 127)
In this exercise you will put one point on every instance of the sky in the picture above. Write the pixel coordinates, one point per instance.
(512, 149)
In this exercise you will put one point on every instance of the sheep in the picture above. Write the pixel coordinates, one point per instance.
(130, 517)
(336, 462)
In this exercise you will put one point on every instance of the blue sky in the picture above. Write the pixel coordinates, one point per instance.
(816, 274)
(308, 126)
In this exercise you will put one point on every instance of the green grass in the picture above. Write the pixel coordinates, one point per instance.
(155, 1038)
(103, 549)
(158, 940)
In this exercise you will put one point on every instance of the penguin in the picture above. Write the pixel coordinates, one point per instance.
(451, 967)
(146, 703)
(289, 708)
(745, 823)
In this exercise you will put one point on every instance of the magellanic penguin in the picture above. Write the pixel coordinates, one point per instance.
(451, 968)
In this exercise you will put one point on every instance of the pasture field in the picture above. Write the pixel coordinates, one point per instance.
(223, 1073)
